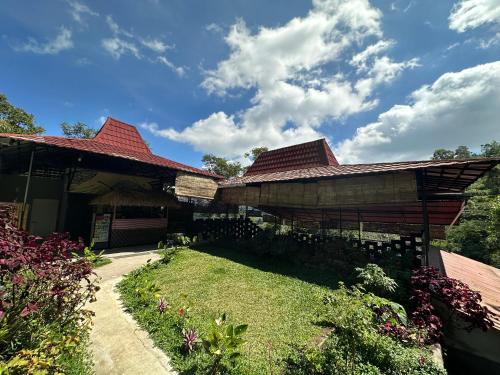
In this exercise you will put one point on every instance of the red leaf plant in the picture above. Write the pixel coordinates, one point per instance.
(41, 285)
(460, 300)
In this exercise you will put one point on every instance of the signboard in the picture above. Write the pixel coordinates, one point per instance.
(102, 224)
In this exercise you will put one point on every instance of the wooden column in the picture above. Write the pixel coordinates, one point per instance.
(340, 221)
(426, 240)
(359, 227)
(26, 190)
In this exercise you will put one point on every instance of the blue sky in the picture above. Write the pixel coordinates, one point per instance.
(381, 80)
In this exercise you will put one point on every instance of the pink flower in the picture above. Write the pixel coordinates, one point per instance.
(162, 305)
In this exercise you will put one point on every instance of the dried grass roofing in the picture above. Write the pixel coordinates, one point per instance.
(468, 169)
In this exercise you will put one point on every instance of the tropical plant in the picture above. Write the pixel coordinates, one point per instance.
(357, 345)
(162, 305)
(458, 298)
(223, 343)
(147, 292)
(373, 278)
(43, 295)
(190, 338)
(97, 259)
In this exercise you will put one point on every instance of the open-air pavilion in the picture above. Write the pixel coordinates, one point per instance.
(305, 184)
(110, 189)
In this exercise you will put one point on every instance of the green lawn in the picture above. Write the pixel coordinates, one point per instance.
(280, 302)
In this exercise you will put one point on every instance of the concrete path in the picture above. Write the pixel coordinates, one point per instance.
(119, 346)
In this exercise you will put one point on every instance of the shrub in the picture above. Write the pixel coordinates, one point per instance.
(97, 259)
(42, 297)
(374, 279)
(356, 345)
(223, 344)
(454, 294)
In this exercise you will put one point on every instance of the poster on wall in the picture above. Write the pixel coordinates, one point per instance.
(102, 224)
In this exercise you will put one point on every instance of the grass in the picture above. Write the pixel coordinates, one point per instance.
(280, 302)
(101, 262)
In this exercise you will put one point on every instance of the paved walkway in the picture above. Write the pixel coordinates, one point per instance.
(119, 346)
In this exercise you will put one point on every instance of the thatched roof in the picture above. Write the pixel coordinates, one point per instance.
(142, 198)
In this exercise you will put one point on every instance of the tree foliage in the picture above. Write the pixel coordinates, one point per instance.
(78, 130)
(477, 236)
(16, 120)
(221, 166)
(227, 168)
(461, 152)
(255, 153)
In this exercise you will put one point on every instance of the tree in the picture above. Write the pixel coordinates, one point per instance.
(221, 165)
(477, 236)
(16, 120)
(78, 130)
(490, 150)
(443, 154)
(463, 152)
(255, 153)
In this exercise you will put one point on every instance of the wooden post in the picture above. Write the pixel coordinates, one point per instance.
(322, 223)
(359, 227)
(340, 221)
(26, 190)
(426, 241)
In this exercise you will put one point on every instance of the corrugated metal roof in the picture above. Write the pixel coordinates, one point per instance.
(115, 139)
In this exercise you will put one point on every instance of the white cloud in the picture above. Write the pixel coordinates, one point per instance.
(60, 43)
(214, 28)
(125, 42)
(78, 10)
(360, 59)
(469, 14)
(118, 47)
(458, 108)
(290, 69)
(490, 42)
(155, 45)
(116, 29)
(179, 70)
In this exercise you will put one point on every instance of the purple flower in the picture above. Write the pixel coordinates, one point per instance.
(162, 305)
(189, 339)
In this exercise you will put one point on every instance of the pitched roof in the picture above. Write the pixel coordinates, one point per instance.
(120, 134)
(115, 139)
(482, 165)
(305, 155)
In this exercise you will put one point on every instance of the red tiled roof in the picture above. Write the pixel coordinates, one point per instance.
(305, 155)
(349, 170)
(115, 139)
(479, 276)
(120, 134)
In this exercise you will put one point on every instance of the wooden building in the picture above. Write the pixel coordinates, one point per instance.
(305, 183)
(110, 188)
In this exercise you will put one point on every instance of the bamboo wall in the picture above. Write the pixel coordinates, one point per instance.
(189, 185)
(338, 192)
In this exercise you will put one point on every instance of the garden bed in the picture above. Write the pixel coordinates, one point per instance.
(282, 303)
(280, 309)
